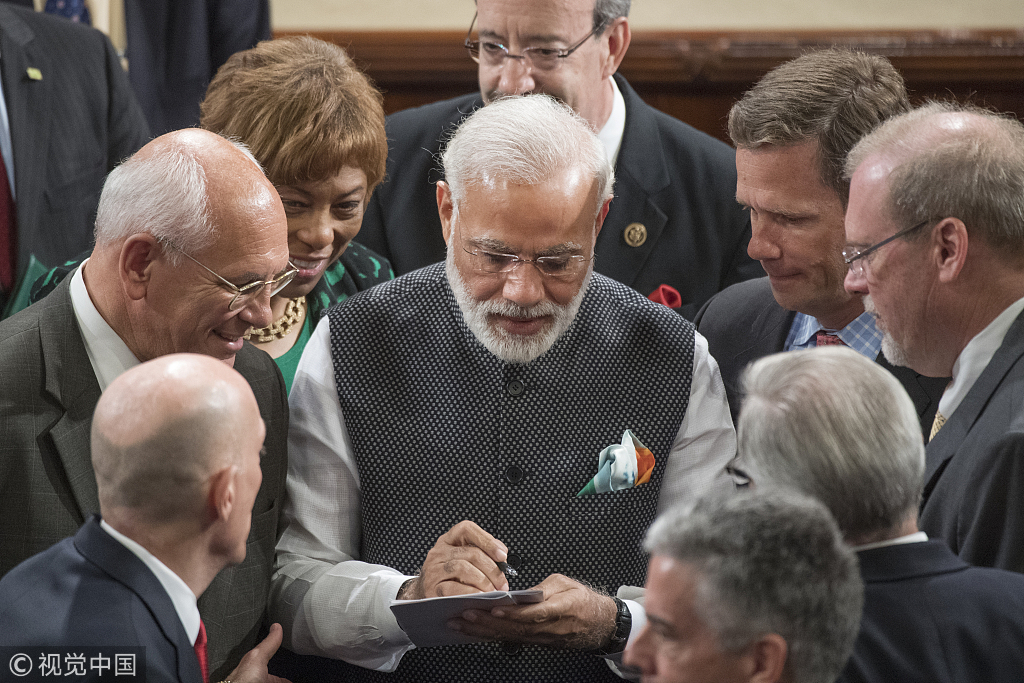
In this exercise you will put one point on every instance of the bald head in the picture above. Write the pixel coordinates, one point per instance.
(163, 428)
(950, 160)
(183, 187)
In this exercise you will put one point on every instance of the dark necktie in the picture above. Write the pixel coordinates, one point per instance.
(75, 10)
(8, 232)
(823, 338)
(200, 648)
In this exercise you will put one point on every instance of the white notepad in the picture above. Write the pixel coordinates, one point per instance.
(425, 621)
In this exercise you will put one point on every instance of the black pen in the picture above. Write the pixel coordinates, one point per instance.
(507, 570)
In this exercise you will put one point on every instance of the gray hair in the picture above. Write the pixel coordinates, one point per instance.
(607, 11)
(162, 194)
(526, 141)
(769, 562)
(973, 171)
(834, 97)
(834, 425)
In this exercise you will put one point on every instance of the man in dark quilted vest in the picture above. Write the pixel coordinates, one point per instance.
(452, 419)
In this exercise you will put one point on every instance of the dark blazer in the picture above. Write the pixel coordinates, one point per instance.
(929, 617)
(744, 323)
(69, 129)
(176, 46)
(974, 467)
(90, 590)
(678, 182)
(47, 486)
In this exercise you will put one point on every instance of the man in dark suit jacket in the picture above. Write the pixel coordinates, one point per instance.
(792, 131)
(673, 220)
(949, 296)
(928, 615)
(72, 118)
(142, 294)
(170, 524)
(176, 46)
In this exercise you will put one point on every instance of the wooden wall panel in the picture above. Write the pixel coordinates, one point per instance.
(696, 76)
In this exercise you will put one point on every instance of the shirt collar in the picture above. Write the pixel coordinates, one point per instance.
(108, 353)
(916, 537)
(611, 133)
(976, 356)
(182, 597)
(860, 334)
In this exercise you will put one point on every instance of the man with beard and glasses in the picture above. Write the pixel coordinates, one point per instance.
(673, 222)
(935, 242)
(448, 420)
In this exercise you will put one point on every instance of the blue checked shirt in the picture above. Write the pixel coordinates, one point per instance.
(861, 335)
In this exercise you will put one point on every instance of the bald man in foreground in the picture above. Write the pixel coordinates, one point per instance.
(176, 449)
(191, 240)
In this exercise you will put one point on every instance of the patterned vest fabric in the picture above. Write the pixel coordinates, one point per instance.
(444, 431)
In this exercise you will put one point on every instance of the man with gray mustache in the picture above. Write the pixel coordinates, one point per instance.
(446, 421)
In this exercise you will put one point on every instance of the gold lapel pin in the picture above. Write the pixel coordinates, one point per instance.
(34, 73)
(635, 234)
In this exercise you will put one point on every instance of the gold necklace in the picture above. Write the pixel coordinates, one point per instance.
(280, 328)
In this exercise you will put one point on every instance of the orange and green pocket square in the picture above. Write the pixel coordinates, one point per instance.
(621, 466)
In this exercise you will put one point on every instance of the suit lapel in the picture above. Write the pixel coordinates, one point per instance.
(71, 383)
(952, 435)
(25, 98)
(640, 173)
(120, 563)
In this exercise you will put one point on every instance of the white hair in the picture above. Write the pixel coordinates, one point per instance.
(162, 194)
(525, 140)
(834, 425)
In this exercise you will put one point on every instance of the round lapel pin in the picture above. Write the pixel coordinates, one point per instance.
(635, 234)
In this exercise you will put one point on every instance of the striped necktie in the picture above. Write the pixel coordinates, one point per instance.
(937, 423)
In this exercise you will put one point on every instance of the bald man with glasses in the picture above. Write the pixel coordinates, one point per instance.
(191, 242)
(673, 220)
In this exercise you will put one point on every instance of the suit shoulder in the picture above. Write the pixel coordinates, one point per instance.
(635, 313)
(735, 304)
(55, 30)
(433, 114)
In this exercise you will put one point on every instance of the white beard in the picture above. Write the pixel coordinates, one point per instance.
(512, 348)
(891, 349)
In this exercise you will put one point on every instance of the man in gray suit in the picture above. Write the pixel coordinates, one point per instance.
(67, 117)
(792, 131)
(191, 240)
(935, 244)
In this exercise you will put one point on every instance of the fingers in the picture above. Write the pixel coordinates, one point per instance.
(463, 561)
(253, 667)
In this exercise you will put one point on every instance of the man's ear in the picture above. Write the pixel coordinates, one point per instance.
(618, 37)
(445, 208)
(220, 500)
(949, 246)
(135, 263)
(601, 215)
(766, 659)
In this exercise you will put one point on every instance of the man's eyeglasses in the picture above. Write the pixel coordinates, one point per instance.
(561, 267)
(246, 294)
(490, 53)
(858, 259)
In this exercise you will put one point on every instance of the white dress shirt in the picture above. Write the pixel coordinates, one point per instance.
(976, 356)
(108, 353)
(182, 597)
(333, 604)
(613, 129)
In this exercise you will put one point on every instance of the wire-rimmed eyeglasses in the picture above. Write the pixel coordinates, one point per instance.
(490, 53)
(559, 267)
(857, 259)
(245, 294)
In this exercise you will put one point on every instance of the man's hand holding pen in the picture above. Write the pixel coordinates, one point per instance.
(466, 560)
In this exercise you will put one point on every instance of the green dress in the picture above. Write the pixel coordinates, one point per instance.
(358, 269)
